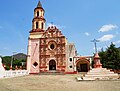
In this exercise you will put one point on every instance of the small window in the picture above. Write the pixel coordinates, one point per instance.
(70, 59)
(52, 46)
(71, 66)
(36, 25)
(37, 13)
(35, 64)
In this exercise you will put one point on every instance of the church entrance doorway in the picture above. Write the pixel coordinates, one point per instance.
(82, 66)
(52, 65)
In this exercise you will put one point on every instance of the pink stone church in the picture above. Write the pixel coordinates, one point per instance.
(49, 50)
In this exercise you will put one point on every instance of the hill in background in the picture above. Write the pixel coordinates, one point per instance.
(20, 56)
(17, 60)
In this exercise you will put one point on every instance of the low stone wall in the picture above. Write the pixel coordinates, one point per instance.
(15, 73)
(116, 71)
(11, 73)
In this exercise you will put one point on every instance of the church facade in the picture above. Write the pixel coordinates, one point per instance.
(49, 50)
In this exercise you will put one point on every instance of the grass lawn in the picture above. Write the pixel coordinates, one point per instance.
(56, 83)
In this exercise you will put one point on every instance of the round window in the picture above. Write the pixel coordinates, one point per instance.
(52, 46)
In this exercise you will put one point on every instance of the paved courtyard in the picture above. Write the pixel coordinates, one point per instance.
(56, 83)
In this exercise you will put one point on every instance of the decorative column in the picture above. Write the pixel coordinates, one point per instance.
(97, 63)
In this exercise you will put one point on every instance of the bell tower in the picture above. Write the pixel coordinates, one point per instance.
(38, 22)
(37, 32)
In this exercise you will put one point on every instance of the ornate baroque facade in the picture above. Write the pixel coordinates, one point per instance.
(49, 50)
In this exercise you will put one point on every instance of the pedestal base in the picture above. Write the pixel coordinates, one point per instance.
(99, 74)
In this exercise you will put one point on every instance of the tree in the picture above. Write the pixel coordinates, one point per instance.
(111, 57)
(17, 60)
(103, 57)
(7, 61)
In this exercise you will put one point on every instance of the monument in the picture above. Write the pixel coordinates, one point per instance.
(2, 70)
(98, 73)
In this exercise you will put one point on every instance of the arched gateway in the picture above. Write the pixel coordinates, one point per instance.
(52, 65)
(82, 65)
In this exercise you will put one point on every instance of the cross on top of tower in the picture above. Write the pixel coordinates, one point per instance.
(39, 4)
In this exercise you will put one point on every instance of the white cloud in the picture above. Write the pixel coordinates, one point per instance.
(108, 27)
(106, 37)
(58, 26)
(86, 33)
(117, 42)
(6, 48)
(22, 50)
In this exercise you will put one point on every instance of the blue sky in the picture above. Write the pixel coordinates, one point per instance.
(79, 20)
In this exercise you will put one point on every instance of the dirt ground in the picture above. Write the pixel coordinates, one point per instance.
(56, 83)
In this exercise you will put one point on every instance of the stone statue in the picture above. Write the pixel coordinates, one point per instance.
(2, 70)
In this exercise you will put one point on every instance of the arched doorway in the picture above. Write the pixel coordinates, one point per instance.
(82, 66)
(52, 65)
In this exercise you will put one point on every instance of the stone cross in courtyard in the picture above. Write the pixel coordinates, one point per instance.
(95, 41)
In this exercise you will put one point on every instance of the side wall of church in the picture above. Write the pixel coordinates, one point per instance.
(33, 56)
(70, 53)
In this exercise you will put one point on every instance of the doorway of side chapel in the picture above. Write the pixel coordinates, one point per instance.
(82, 66)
